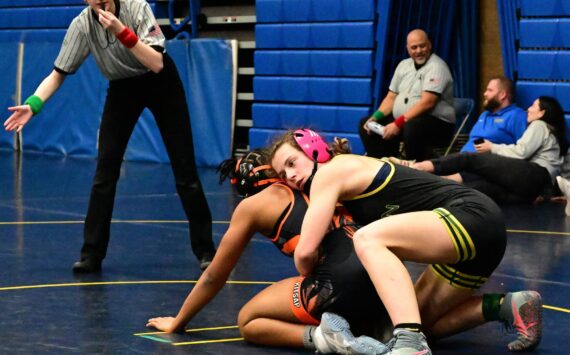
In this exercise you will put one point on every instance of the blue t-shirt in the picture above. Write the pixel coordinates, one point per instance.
(505, 126)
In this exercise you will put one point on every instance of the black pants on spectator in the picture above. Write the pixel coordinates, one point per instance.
(501, 178)
(163, 94)
(420, 135)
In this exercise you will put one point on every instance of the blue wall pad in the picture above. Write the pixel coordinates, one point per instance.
(39, 17)
(70, 119)
(528, 91)
(21, 3)
(69, 122)
(259, 138)
(8, 88)
(205, 67)
(544, 33)
(320, 118)
(545, 8)
(314, 10)
(315, 90)
(209, 92)
(51, 17)
(37, 35)
(314, 63)
(321, 35)
(545, 65)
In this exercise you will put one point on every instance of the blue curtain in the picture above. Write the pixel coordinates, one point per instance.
(465, 55)
(508, 23)
(452, 28)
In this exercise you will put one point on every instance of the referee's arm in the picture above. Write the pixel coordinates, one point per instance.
(145, 54)
(49, 85)
(23, 113)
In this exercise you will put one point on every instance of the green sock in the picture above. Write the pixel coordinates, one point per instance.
(492, 306)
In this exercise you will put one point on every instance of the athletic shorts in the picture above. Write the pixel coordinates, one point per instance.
(477, 230)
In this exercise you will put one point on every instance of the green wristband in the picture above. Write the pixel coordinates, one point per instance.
(35, 103)
(378, 115)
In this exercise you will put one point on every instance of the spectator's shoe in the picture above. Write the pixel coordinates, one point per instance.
(87, 266)
(564, 186)
(523, 311)
(405, 342)
(333, 335)
(407, 163)
(205, 261)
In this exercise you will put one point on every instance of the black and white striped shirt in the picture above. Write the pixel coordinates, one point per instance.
(86, 35)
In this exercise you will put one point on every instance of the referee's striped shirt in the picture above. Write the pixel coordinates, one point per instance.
(86, 35)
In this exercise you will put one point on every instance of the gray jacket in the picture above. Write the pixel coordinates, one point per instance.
(537, 145)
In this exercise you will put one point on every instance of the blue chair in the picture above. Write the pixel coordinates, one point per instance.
(463, 108)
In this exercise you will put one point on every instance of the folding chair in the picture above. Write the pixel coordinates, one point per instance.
(463, 108)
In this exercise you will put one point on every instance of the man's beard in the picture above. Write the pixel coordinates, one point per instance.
(492, 104)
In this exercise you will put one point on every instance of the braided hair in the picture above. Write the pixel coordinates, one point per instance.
(249, 174)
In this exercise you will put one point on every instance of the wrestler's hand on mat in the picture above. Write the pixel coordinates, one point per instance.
(163, 324)
(110, 22)
(20, 116)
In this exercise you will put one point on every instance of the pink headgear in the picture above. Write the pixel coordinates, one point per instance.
(312, 145)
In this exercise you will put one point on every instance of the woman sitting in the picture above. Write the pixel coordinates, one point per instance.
(513, 172)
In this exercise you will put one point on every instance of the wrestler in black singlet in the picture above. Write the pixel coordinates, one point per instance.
(475, 223)
(339, 283)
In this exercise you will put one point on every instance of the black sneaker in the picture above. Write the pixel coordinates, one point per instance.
(205, 261)
(87, 266)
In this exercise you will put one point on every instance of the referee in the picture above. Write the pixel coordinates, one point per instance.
(128, 46)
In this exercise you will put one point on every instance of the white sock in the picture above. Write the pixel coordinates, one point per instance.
(320, 342)
(564, 186)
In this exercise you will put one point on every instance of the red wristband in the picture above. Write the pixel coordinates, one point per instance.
(128, 38)
(400, 121)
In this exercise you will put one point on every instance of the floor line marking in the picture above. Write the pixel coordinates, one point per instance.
(156, 339)
(559, 309)
(81, 284)
(530, 279)
(192, 330)
(147, 221)
(536, 232)
(156, 221)
(207, 341)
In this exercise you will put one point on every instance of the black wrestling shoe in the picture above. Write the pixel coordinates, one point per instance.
(205, 261)
(87, 266)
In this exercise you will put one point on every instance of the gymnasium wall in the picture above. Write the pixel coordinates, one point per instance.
(69, 122)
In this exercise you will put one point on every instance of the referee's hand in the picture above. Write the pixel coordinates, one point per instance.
(110, 22)
(20, 116)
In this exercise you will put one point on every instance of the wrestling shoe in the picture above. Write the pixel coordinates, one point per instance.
(405, 342)
(564, 186)
(522, 311)
(87, 266)
(333, 335)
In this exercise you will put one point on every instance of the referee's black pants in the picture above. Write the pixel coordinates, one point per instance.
(163, 94)
(420, 135)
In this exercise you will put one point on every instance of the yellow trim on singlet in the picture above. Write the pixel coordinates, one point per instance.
(459, 236)
(386, 181)
(456, 278)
